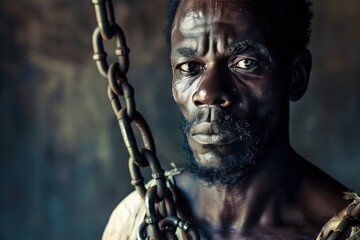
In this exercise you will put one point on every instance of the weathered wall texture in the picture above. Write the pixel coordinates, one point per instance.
(63, 167)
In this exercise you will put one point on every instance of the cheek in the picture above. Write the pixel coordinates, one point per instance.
(182, 96)
(256, 98)
(268, 99)
(273, 105)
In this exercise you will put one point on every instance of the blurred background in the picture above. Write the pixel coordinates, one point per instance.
(63, 166)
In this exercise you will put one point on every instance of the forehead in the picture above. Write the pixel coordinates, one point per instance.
(219, 21)
(226, 11)
(228, 16)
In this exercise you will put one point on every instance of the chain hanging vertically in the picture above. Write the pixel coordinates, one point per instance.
(158, 197)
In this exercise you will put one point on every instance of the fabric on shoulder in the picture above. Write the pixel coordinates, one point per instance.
(125, 219)
(130, 213)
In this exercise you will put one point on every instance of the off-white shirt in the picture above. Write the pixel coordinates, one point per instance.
(130, 213)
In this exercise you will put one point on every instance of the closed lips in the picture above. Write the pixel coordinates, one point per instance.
(210, 133)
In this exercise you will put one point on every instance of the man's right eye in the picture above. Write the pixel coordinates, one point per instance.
(189, 68)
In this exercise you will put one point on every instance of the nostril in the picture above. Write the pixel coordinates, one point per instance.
(197, 103)
(225, 103)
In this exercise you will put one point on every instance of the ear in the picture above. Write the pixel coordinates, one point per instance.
(300, 75)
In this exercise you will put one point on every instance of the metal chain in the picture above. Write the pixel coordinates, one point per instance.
(161, 219)
(350, 217)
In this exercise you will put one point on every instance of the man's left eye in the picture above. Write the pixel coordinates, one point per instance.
(245, 63)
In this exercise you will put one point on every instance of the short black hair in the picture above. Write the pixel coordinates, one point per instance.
(290, 21)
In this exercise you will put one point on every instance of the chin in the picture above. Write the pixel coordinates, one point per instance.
(219, 166)
(220, 174)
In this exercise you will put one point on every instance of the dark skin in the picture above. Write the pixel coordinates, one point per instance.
(223, 60)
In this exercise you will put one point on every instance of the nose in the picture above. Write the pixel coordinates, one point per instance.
(214, 89)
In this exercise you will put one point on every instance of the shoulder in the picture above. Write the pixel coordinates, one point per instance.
(320, 194)
(125, 218)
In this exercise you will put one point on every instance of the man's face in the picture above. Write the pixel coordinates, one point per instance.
(226, 83)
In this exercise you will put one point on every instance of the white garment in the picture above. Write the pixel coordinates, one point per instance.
(130, 213)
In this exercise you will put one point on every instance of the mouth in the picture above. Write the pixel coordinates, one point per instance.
(210, 134)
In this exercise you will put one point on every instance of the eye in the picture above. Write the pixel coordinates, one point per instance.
(189, 68)
(245, 63)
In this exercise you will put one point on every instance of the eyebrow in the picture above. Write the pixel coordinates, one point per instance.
(246, 45)
(231, 48)
(185, 52)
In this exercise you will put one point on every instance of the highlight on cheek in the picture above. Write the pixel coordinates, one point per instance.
(181, 86)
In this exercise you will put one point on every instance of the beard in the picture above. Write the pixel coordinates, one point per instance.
(238, 159)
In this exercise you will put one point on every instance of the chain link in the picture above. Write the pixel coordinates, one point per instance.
(161, 221)
(350, 218)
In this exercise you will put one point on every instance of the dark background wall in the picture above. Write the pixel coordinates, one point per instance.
(63, 167)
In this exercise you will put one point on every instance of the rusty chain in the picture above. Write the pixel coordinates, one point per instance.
(350, 217)
(161, 219)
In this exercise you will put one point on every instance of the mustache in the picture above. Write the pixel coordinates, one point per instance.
(221, 119)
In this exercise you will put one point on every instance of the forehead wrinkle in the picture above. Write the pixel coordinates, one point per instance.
(197, 20)
(200, 13)
(199, 16)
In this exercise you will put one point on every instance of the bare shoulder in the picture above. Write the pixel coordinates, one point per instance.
(125, 218)
(320, 195)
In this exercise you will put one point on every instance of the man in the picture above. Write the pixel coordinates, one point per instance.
(236, 65)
